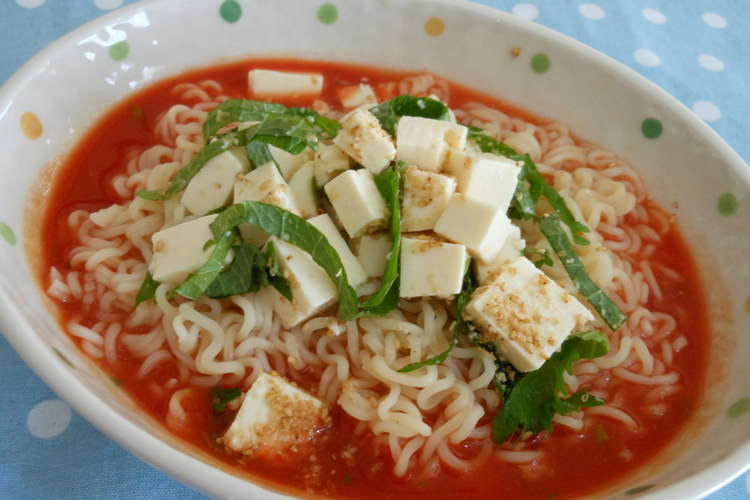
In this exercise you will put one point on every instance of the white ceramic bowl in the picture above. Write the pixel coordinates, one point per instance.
(67, 86)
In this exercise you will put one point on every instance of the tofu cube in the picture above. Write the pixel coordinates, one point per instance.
(426, 194)
(478, 225)
(486, 178)
(277, 420)
(312, 289)
(179, 250)
(372, 251)
(263, 184)
(362, 138)
(525, 314)
(431, 268)
(302, 185)
(357, 202)
(512, 250)
(211, 187)
(354, 96)
(288, 163)
(269, 84)
(354, 270)
(330, 161)
(424, 142)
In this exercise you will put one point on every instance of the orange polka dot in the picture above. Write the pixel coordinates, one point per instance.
(434, 26)
(31, 126)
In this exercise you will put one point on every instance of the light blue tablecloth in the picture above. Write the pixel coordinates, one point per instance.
(697, 50)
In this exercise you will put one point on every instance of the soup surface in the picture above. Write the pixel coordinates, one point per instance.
(651, 380)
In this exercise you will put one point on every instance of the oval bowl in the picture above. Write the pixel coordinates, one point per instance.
(686, 166)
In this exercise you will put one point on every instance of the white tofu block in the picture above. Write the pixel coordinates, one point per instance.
(479, 226)
(312, 289)
(354, 96)
(525, 142)
(357, 202)
(431, 268)
(362, 138)
(512, 250)
(525, 314)
(265, 184)
(179, 250)
(212, 186)
(486, 178)
(424, 142)
(426, 194)
(288, 163)
(303, 190)
(277, 419)
(330, 161)
(265, 83)
(354, 270)
(372, 251)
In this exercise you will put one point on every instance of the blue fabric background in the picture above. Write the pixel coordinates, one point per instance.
(80, 462)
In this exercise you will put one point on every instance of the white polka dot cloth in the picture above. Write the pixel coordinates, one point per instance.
(697, 50)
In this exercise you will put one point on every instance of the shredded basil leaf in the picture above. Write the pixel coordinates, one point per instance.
(147, 290)
(558, 240)
(197, 283)
(242, 275)
(186, 174)
(298, 232)
(222, 397)
(540, 394)
(389, 185)
(237, 110)
(258, 154)
(389, 112)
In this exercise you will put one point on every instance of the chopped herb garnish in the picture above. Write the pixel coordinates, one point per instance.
(389, 112)
(558, 240)
(540, 394)
(259, 154)
(147, 290)
(348, 479)
(242, 275)
(222, 397)
(488, 144)
(298, 232)
(386, 298)
(116, 381)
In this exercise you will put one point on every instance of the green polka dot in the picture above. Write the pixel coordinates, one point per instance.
(739, 408)
(651, 128)
(639, 489)
(7, 234)
(231, 11)
(540, 62)
(328, 13)
(119, 51)
(728, 204)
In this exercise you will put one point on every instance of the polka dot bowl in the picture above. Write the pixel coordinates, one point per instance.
(51, 101)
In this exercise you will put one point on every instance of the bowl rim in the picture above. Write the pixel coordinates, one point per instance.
(217, 482)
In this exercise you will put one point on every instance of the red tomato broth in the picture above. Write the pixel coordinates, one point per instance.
(341, 463)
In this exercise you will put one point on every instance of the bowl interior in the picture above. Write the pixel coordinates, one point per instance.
(685, 166)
